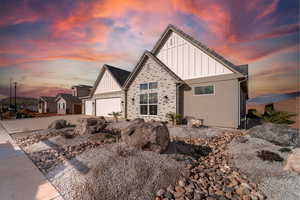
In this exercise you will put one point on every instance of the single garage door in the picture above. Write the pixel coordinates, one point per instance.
(89, 107)
(106, 106)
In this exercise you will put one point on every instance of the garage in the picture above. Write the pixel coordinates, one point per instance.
(106, 106)
(89, 107)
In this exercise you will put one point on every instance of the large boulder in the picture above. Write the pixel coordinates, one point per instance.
(193, 122)
(58, 124)
(293, 161)
(277, 134)
(152, 136)
(90, 125)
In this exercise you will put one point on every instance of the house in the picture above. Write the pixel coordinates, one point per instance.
(47, 104)
(81, 90)
(183, 76)
(107, 95)
(68, 104)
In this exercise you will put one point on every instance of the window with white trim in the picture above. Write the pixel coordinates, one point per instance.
(150, 85)
(148, 104)
(204, 90)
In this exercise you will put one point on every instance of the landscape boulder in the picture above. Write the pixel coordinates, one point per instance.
(152, 136)
(276, 133)
(193, 122)
(293, 161)
(90, 125)
(58, 124)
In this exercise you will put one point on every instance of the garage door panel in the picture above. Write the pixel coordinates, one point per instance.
(89, 107)
(106, 106)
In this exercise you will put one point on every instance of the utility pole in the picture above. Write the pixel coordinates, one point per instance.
(15, 96)
(10, 103)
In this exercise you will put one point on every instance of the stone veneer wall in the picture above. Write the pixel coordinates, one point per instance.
(152, 72)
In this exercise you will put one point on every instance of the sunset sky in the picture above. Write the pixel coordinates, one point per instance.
(48, 46)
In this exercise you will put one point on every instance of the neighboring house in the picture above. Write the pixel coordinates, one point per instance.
(183, 76)
(81, 90)
(47, 105)
(107, 94)
(68, 104)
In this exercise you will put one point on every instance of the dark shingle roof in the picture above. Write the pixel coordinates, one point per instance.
(210, 52)
(119, 74)
(68, 98)
(82, 86)
(48, 99)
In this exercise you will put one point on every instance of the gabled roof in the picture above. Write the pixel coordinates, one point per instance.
(171, 28)
(48, 99)
(137, 68)
(118, 74)
(68, 98)
(81, 86)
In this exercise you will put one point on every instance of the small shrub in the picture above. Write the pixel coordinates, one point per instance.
(269, 156)
(116, 115)
(275, 117)
(173, 117)
(284, 149)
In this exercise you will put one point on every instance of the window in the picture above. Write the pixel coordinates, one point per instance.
(148, 104)
(144, 86)
(204, 90)
(152, 85)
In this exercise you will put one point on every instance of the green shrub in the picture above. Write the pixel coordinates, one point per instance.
(173, 117)
(115, 115)
(269, 156)
(275, 117)
(284, 149)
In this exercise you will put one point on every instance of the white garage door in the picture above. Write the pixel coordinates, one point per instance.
(89, 107)
(106, 106)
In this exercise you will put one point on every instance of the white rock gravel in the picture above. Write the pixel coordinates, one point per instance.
(114, 172)
(204, 132)
(276, 183)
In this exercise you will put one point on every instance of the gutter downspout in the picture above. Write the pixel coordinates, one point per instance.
(125, 104)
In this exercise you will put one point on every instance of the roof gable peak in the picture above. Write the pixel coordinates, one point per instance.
(172, 28)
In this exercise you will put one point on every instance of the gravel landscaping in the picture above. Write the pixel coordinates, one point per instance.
(104, 160)
(271, 177)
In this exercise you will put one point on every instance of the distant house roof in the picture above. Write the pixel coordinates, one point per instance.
(48, 99)
(137, 68)
(120, 75)
(171, 28)
(68, 98)
(82, 86)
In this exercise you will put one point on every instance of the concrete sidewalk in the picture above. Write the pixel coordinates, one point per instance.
(19, 177)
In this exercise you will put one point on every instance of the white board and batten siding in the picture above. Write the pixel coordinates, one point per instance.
(188, 61)
(106, 106)
(107, 84)
(89, 107)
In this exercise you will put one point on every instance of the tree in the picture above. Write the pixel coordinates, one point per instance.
(115, 115)
(173, 117)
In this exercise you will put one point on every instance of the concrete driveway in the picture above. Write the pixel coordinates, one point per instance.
(31, 124)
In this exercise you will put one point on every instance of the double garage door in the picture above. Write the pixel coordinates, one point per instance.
(106, 106)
